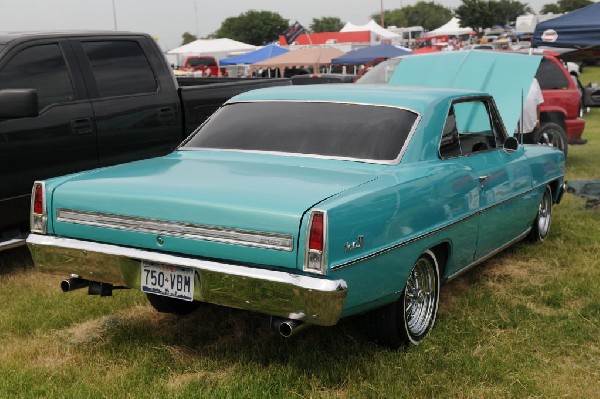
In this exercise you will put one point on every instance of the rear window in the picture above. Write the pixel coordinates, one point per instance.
(551, 76)
(201, 62)
(339, 130)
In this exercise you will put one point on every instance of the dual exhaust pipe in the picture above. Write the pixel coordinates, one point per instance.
(285, 327)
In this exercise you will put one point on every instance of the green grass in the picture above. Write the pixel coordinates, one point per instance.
(524, 324)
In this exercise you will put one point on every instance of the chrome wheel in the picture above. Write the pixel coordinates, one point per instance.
(410, 318)
(543, 219)
(420, 297)
(544, 214)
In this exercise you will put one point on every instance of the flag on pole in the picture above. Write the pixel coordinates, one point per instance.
(293, 32)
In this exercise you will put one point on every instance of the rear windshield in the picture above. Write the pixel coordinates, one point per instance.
(340, 130)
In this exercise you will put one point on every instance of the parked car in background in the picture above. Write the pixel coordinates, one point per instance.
(204, 64)
(561, 112)
(309, 204)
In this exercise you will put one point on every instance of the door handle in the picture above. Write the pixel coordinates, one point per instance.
(166, 115)
(483, 179)
(82, 126)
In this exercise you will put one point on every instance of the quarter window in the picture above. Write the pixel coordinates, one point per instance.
(468, 129)
(42, 68)
(120, 68)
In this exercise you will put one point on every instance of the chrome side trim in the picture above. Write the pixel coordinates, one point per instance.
(400, 244)
(419, 237)
(315, 300)
(489, 255)
(259, 239)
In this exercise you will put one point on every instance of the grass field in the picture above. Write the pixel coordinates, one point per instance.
(524, 324)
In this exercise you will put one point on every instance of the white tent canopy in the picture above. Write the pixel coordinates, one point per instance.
(451, 27)
(370, 26)
(218, 48)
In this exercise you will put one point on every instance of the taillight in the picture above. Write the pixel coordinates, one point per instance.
(315, 240)
(38, 218)
(315, 253)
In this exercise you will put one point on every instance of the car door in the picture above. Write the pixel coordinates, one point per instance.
(504, 177)
(137, 114)
(61, 139)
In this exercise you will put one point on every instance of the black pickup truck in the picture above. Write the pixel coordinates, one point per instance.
(81, 100)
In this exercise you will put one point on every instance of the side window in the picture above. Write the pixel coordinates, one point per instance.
(468, 129)
(42, 68)
(550, 76)
(120, 68)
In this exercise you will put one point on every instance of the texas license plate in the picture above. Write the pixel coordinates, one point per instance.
(167, 280)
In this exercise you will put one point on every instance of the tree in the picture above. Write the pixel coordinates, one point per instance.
(187, 37)
(326, 24)
(507, 11)
(550, 9)
(476, 14)
(429, 15)
(572, 5)
(253, 27)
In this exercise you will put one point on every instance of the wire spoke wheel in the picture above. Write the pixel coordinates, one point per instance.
(409, 319)
(420, 299)
(541, 225)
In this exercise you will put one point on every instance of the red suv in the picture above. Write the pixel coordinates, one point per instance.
(560, 115)
(206, 64)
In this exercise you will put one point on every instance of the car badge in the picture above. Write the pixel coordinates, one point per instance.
(354, 244)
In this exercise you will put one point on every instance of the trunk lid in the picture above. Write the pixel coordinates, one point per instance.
(236, 206)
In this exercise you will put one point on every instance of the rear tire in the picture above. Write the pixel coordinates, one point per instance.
(408, 320)
(165, 304)
(552, 134)
(541, 224)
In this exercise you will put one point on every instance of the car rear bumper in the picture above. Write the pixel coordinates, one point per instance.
(574, 128)
(310, 299)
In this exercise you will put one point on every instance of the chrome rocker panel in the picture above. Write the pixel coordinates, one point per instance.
(294, 296)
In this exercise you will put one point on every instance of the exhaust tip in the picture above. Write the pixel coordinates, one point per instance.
(287, 327)
(73, 284)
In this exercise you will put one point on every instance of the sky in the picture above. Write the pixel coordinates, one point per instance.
(167, 20)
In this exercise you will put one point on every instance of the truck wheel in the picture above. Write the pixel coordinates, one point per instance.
(408, 320)
(552, 134)
(541, 224)
(165, 304)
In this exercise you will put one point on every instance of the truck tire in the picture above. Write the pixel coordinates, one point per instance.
(552, 134)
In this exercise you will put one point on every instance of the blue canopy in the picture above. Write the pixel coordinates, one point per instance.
(577, 29)
(368, 54)
(261, 54)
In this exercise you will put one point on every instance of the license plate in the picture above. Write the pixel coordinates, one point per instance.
(172, 281)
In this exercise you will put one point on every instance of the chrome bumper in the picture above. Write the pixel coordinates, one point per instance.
(310, 299)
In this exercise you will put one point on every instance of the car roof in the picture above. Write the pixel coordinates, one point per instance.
(418, 99)
(7, 37)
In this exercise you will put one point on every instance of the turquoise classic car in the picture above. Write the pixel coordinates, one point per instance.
(309, 204)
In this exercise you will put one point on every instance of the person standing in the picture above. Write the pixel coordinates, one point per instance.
(530, 118)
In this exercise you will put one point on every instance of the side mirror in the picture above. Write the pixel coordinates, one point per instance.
(511, 144)
(18, 103)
